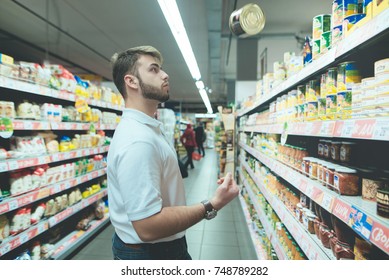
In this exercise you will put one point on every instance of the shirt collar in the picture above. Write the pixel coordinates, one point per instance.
(140, 117)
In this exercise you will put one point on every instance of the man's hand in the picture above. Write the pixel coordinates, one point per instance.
(227, 191)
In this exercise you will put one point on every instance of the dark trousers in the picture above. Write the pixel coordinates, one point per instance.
(189, 160)
(200, 147)
(172, 250)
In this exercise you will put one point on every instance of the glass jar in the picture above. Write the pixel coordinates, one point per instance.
(333, 241)
(346, 181)
(305, 165)
(345, 152)
(343, 231)
(317, 227)
(309, 222)
(343, 251)
(383, 198)
(325, 235)
(299, 212)
(320, 170)
(313, 168)
(326, 149)
(320, 148)
(370, 183)
(335, 150)
(329, 178)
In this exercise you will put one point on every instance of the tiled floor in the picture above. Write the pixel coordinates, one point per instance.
(224, 238)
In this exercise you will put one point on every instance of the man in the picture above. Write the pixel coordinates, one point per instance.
(200, 138)
(188, 139)
(145, 188)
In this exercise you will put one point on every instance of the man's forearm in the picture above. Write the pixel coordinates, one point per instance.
(169, 221)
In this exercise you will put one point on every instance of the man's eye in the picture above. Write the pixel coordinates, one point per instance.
(154, 69)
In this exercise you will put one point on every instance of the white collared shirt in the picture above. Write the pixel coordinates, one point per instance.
(143, 174)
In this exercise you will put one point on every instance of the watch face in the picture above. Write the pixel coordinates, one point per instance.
(211, 214)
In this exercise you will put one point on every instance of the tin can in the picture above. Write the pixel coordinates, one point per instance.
(350, 7)
(312, 90)
(325, 42)
(337, 34)
(331, 106)
(337, 12)
(323, 85)
(331, 80)
(344, 103)
(247, 21)
(347, 76)
(321, 23)
(316, 49)
(349, 21)
(321, 108)
(312, 110)
(301, 94)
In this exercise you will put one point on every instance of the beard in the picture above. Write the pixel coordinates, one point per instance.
(152, 92)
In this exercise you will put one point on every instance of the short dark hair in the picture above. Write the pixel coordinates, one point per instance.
(125, 62)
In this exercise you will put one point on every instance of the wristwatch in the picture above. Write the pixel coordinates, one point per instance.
(210, 212)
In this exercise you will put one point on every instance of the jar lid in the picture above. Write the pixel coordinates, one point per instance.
(307, 158)
(335, 142)
(342, 169)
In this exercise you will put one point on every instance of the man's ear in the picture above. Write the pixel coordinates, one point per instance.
(131, 81)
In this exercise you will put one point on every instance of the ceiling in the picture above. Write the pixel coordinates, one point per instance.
(82, 35)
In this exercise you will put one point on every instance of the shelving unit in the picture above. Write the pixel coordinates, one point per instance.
(68, 244)
(376, 231)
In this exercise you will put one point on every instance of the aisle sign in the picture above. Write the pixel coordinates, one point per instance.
(380, 236)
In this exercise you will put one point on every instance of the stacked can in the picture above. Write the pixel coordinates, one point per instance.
(337, 21)
(321, 25)
(352, 13)
(321, 102)
(348, 75)
(312, 94)
(331, 96)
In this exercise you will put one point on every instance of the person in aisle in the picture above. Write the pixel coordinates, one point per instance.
(200, 138)
(145, 188)
(188, 139)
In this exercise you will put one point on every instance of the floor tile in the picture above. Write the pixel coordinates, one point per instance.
(214, 252)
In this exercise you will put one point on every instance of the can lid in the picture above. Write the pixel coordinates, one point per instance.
(252, 19)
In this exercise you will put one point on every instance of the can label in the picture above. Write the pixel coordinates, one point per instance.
(344, 102)
(331, 81)
(348, 75)
(337, 34)
(313, 90)
(322, 103)
(300, 94)
(337, 12)
(323, 85)
(316, 48)
(350, 7)
(312, 110)
(321, 23)
(331, 106)
(325, 41)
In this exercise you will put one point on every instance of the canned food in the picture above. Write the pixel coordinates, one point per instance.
(312, 110)
(325, 42)
(301, 94)
(331, 106)
(337, 34)
(321, 103)
(247, 21)
(337, 12)
(312, 90)
(321, 23)
(350, 7)
(331, 80)
(347, 76)
(323, 85)
(344, 101)
(316, 48)
(349, 21)
(381, 66)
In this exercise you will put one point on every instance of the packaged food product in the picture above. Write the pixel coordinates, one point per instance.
(320, 148)
(348, 75)
(346, 181)
(346, 150)
(344, 251)
(362, 249)
(321, 23)
(335, 150)
(337, 34)
(313, 168)
(329, 175)
(383, 198)
(381, 66)
(305, 165)
(337, 12)
(350, 7)
(326, 149)
(370, 183)
(325, 235)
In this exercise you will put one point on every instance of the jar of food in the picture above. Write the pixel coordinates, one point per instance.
(343, 251)
(316, 227)
(346, 181)
(329, 178)
(370, 183)
(305, 165)
(343, 232)
(383, 198)
(313, 168)
(326, 148)
(309, 222)
(333, 241)
(362, 249)
(346, 151)
(335, 150)
(325, 235)
(299, 212)
(320, 170)
(320, 148)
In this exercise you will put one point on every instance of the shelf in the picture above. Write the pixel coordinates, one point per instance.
(14, 164)
(16, 202)
(13, 242)
(26, 87)
(255, 238)
(375, 228)
(306, 240)
(72, 241)
(369, 129)
(359, 37)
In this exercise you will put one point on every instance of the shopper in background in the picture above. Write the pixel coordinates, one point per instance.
(145, 188)
(188, 139)
(200, 138)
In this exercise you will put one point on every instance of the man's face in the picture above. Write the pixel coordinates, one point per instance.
(153, 81)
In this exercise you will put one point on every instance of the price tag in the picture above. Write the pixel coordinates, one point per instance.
(42, 227)
(13, 164)
(326, 202)
(309, 191)
(347, 129)
(381, 131)
(13, 204)
(3, 167)
(364, 128)
(28, 125)
(23, 238)
(4, 249)
(55, 157)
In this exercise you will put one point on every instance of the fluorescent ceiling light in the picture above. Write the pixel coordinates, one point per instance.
(173, 18)
(205, 116)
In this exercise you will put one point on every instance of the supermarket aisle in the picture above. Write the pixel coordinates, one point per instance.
(225, 237)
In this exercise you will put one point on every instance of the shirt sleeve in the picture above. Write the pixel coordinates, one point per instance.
(139, 169)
